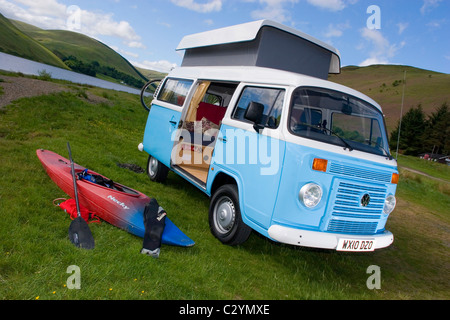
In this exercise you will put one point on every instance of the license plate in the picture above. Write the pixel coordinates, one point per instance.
(356, 245)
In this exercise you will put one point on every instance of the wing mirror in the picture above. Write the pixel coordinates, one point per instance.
(254, 114)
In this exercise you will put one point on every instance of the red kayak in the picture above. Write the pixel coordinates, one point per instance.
(116, 204)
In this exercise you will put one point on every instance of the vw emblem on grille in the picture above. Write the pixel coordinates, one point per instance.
(365, 200)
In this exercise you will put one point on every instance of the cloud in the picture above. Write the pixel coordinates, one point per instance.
(280, 10)
(35, 15)
(332, 5)
(381, 50)
(435, 24)
(44, 7)
(336, 31)
(50, 14)
(208, 6)
(95, 24)
(161, 65)
(401, 27)
(123, 52)
(274, 10)
(428, 5)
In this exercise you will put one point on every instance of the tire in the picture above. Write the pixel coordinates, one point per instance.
(144, 90)
(225, 221)
(156, 171)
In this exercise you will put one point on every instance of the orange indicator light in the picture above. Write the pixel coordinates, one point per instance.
(320, 165)
(395, 178)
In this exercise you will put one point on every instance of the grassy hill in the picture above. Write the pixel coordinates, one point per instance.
(55, 47)
(14, 41)
(151, 74)
(384, 84)
(67, 43)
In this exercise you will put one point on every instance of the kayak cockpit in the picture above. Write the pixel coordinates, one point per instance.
(89, 176)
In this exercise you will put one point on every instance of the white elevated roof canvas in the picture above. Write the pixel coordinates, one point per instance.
(252, 44)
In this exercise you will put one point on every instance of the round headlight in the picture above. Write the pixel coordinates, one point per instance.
(389, 204)
(310, 194)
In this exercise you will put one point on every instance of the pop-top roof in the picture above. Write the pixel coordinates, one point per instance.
(261, 43)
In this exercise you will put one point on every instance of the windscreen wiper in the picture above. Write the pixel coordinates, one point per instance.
(387, 154)
(347, 145)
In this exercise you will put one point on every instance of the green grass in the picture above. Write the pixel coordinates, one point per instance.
(432, 168)
(35, 251)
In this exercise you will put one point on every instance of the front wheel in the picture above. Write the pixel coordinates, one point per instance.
(225, 219)
(156, 171)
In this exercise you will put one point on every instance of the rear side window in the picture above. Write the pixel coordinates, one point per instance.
(175, 91)
(271, 98)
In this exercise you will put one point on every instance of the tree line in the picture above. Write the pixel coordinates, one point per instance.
(421, 134)
(94, 67)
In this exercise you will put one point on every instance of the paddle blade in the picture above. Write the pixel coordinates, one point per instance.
(80, 234)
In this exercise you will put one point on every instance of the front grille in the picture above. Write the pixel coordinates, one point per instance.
(348, 215)
(353, 227)
(363, 173)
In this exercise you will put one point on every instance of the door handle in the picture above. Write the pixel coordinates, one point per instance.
(223, 139)
(174, 123)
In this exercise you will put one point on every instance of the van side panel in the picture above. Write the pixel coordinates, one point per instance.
(160, 132)
(256, 160)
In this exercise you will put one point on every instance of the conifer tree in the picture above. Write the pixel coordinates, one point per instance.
(412, 130)
(435, 139)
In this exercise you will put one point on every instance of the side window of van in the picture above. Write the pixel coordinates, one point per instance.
(175, 91)
(271, 98)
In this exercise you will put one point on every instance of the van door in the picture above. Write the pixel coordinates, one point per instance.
(164, 117)
(254, 158)
(194, 145)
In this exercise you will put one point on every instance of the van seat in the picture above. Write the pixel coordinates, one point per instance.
(211, 112)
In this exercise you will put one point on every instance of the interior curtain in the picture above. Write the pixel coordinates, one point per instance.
(196, 99)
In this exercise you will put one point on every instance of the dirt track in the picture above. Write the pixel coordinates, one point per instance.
(20, 87)
(424, 174)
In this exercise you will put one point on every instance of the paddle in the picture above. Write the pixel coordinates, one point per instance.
(79, 232)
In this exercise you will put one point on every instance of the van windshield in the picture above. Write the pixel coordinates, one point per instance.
(337, 118)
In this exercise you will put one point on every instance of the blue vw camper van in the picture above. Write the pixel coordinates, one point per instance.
(250, 119)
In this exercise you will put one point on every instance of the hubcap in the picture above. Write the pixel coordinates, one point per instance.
(224, 215)
(153, 166)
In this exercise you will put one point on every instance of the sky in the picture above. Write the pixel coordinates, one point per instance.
(147, 32)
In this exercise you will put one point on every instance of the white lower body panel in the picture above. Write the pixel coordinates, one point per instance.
(324, 240)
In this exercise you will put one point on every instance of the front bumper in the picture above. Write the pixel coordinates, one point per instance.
(325, 240)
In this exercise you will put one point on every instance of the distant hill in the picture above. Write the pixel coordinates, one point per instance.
(67, 43)
(69, 50)
(15, 42)
(151, 74)
(384, 84)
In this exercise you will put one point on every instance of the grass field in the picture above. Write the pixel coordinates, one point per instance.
(35, 252)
